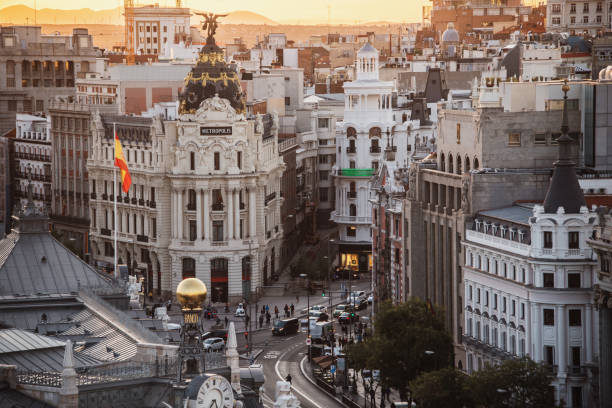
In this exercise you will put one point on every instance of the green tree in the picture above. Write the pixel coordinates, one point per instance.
(408, 339)
(516, 382)
(447, 388)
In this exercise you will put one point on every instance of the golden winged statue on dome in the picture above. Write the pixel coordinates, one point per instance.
(210, 24)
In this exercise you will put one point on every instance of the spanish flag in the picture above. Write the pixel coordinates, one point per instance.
(126, 179)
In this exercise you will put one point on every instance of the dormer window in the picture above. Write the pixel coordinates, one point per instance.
(512, 233)
(487, 226)
(503, 231)
(477, 222)
(495, 228)
(521, 235)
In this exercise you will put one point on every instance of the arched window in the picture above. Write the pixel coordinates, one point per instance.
(450, 163)
(353, 210)
(189, 268)
(467, 164)
(442, 163)
(475, 163)
(458, 167)
(351, 132)
(375, 132)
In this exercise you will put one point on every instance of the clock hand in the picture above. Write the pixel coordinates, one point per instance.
(214, 402)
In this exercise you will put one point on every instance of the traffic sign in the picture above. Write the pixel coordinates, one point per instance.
(332, 368)
(308, 341)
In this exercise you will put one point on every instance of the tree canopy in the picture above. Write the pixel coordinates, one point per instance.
(408, 339)
(513, 383)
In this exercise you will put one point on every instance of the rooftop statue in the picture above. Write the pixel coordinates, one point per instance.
(210, 23)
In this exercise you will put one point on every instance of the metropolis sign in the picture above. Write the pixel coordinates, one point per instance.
(215, 131)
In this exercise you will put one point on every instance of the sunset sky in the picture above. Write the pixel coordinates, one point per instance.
(287, 11)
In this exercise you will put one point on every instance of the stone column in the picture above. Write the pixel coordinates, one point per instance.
(207, 214)
(561, 340)
(588, 317)
(174, 212)
(236, 214)
(605, 355)
(179, 214)
(252, 213)
(537, 332)
(198, 214)
(230, 213)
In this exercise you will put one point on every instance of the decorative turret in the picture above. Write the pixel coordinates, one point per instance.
(367, 63)
(564, 190)
(211, 76)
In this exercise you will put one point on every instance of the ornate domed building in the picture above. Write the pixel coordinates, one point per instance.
(205, 198)
(211, 76)
(450, 41)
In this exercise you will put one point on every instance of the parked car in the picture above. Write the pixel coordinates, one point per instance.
(348, 317)
(240, 311)
(215, 333)
(214, 344)
(370, 298)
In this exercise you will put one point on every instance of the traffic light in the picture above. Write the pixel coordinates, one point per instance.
(323, 293)
(246, 336)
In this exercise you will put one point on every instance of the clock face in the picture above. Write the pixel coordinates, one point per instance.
(215, 392)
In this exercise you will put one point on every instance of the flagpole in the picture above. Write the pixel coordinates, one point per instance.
(115, 199)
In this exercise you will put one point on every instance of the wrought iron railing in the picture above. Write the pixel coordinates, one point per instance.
(48, 379)
(127, 370)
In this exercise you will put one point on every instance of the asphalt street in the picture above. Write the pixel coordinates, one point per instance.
(282, 355)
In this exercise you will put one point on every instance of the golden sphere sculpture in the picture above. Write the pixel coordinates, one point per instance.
(565, 88)
(191, 293)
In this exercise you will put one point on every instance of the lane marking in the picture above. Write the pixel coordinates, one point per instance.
(283, 379)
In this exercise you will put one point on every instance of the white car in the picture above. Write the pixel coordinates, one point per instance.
(370, 299)
(240, 311)
(214, 344)
(319, 308)
(356, 297)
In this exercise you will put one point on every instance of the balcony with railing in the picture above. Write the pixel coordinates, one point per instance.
(105, 231)
(351, 194)
(270, 197)
(218, 207)
(374, 149)
(351, 149)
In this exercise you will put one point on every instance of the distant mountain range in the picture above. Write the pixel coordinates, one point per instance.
(20, 14)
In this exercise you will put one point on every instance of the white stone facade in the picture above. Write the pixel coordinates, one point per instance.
(205, 196)
(33, 158)
(528, 292)
(568, 15)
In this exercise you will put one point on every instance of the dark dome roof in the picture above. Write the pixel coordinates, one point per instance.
(211, 76)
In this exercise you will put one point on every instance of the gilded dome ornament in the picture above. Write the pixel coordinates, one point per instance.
(211, 75)
(191, 293)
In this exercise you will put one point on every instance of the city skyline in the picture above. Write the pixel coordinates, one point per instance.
(341, 12)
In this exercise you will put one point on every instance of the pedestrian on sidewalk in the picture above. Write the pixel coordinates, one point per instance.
(261, 319)
(286, 310)
(292, 309)
(288, 378)
(226, 321)
(267, 308)
(263, 309)
(276, 311)
(268, 317)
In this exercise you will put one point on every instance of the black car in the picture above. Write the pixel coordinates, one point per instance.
(346, 274)
(215, 333)
(286, 326)
(361, 305)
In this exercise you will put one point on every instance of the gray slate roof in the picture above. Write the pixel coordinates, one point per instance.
(35, 352)
(90, 325)
(32, 263)
(518, 214)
